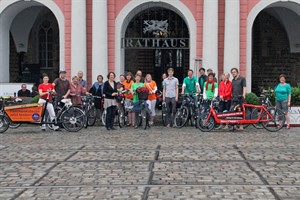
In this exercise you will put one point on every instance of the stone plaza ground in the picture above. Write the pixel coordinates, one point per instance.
(158, 163)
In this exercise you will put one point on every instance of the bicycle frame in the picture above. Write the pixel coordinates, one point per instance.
(220, 118)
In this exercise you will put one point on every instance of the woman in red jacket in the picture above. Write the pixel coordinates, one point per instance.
(225, 93)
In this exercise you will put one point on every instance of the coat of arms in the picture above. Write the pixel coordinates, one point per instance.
(156, 27)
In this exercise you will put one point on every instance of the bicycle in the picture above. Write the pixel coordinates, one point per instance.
(272, 119)
(268, 104)
(188, 110)
(144, 115)
(89, 110)
(11, 124)
(70, 117)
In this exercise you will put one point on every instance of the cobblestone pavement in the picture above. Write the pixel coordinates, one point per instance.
(159, 163)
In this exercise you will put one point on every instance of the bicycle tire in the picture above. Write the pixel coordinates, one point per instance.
(254, 116)
(145, 120)
(121, 117)
(203, 125)
(4, 123)
(13, 125)
(73, 119)
(278, 119)
(164, 114)
(181, 117)
(91, 116)
(103, 117)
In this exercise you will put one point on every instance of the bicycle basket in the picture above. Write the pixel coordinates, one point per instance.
(128, 104)
(143, 93)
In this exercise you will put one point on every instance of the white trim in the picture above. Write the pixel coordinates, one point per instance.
(261, 5)
(100, 40)
(78, 38)
(6, 18)
(231, 35)
(210, 35)
(174, 5)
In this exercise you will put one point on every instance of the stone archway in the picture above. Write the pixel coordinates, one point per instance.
(156, 39)
(286, 17)
(130, 10)
(9, 10)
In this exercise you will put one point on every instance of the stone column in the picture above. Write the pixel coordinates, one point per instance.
(210, 35)
(100, 39)
(232, 35)
(78, 38)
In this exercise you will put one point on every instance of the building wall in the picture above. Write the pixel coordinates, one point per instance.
(114, 7)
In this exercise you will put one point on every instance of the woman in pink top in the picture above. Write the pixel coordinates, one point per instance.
(76, 91)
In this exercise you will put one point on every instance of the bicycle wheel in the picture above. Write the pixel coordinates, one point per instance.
(4, 123)
(164, 114)
(91, 116)
(14, 125)
(205, 125)
(103, 117)
(254, 116)
(121, 117)
(73, 119)
(181, 117)
(274, 123)
(145, 119)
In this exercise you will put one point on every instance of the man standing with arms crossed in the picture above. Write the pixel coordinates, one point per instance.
(170, 95)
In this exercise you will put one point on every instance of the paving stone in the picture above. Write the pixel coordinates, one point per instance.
(24, 174)
(190, 165)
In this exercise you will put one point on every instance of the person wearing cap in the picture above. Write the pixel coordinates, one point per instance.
(202, 79)
(62, 86)
(211, 71)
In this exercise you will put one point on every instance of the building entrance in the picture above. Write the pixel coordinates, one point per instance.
(156, 39)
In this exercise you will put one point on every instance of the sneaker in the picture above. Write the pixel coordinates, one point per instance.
(43, 127)
(225, 127)
(55, 128)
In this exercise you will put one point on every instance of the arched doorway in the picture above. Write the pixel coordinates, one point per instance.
(31, 36)
(273, 43)
(155, 40)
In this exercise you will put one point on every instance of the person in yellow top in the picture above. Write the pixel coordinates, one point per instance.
(152, 87)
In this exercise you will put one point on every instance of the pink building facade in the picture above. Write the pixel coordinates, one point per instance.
(98, 36)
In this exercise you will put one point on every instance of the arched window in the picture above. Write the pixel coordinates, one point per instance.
(46, 45)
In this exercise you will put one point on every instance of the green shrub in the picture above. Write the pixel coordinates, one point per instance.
(295, 101)
(35, 99)
(251, 98)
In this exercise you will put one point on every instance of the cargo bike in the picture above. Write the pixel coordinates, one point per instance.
(70, 117)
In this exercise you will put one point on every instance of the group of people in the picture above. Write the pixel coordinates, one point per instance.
(226, 90)
(128, 85)
(207, 84)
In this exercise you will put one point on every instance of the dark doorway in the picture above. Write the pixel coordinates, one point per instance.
(271, 55)
(155, 40)
(42, 54)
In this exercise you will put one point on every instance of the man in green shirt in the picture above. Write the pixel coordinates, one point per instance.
(190, 84)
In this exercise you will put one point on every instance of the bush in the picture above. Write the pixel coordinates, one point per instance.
(35, 99)
(251, 98)
(295, 101)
